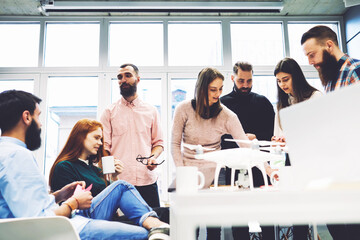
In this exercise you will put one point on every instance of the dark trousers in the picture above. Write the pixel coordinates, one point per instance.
(300, 232)
(344, 231)
(212, 233)
(338, 231)
(150, 194)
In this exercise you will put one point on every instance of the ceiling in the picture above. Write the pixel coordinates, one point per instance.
(291, 8)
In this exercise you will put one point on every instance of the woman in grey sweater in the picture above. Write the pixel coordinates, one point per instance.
(202, 121)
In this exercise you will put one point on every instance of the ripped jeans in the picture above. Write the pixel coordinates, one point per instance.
(119, 194)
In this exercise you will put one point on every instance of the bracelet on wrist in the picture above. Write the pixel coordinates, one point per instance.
(67, 204)
(71, 204)
(77, 201)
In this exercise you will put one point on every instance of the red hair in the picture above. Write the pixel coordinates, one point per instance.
(74, 145)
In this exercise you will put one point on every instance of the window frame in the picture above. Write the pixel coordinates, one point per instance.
(26, 22)
(285, 53)
(43, 43)
(104, 72)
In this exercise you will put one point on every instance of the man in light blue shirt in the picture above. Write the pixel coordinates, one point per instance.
(15, 156)
(23, 189)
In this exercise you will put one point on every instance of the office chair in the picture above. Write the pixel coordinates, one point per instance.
(38, 228)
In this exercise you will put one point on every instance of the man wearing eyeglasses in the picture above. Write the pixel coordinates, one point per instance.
(132, 133)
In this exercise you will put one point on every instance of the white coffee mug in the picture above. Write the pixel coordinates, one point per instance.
(108, 164)
(187, 180)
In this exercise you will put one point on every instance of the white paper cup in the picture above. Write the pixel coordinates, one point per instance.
(187, 180)
(108, 164)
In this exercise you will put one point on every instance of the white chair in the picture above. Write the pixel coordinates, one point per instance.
(38, 228)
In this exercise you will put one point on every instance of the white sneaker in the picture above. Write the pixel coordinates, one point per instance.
(159, 233)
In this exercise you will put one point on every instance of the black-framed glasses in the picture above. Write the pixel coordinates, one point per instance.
(144, 160)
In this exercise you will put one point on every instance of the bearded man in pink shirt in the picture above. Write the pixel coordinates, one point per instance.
(132, 134)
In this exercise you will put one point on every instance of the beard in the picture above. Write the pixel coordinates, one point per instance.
(32, 136)
(128, 90)
(242, 91)
(329, 68)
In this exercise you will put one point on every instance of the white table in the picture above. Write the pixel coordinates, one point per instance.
(215, 208)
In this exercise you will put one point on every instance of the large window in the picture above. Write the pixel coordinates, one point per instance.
(69, 100)
(19, 44)
(148, 89)
(181, 89)
(257, 43)
(74, 62)
(296, 30)
(26, 85)
(140, 43)
(266, 85)
(195, 44)
(72, 44)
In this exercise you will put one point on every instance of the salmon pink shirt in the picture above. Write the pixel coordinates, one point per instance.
(132, 128)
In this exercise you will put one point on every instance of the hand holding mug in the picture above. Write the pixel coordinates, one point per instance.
(119, 167)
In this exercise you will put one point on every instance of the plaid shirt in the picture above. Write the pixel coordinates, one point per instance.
(349, 73)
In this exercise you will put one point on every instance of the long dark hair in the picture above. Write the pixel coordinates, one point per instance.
(74, 145)
(205, 77)
(301, 88)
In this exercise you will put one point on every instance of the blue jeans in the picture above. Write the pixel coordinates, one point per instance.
(119, 194)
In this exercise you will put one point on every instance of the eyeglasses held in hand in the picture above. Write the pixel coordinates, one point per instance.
(144, 160)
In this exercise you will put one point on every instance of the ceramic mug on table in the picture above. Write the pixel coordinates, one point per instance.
(187, 180)
(108, 164)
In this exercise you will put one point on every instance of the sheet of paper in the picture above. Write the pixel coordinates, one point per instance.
(79, 188)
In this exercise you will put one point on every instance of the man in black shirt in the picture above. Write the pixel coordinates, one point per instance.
(256, 115)
(254, 111)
